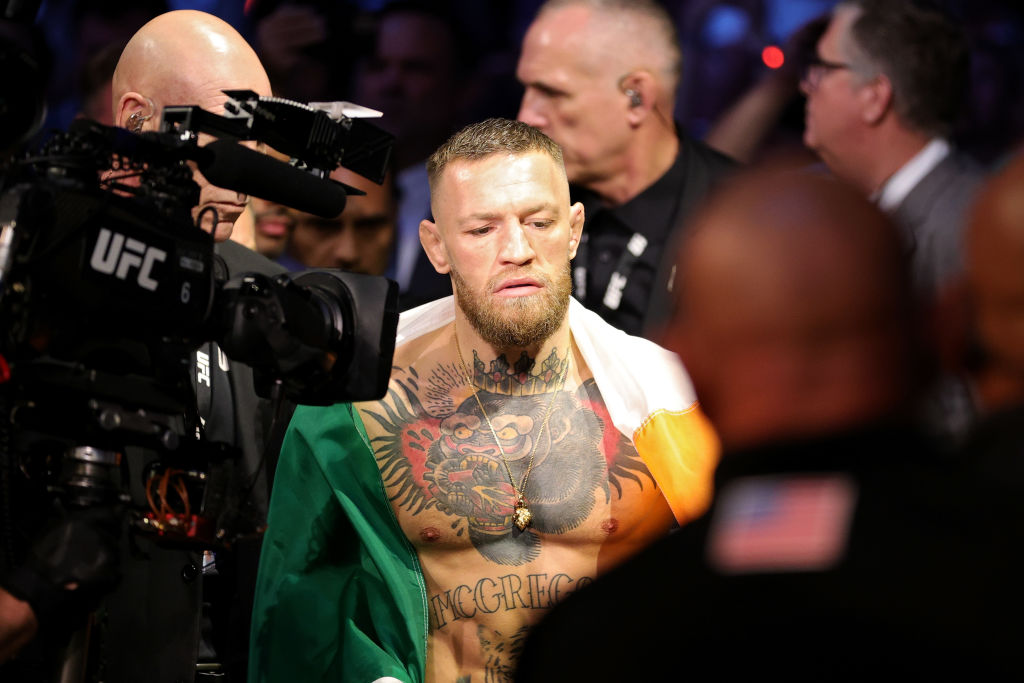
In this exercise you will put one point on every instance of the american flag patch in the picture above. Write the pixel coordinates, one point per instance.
(781, 523)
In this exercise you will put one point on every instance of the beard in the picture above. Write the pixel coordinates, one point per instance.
(518, 322)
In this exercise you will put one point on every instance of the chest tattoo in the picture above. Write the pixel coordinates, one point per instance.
(436, 454)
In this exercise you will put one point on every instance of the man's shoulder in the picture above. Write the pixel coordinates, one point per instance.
(953, 181)
(603, 343)
(583, 320)
(701, 156)
(419, 329)
(418, 352)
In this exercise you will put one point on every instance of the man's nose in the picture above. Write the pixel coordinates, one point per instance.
(345, 249)
(531, 110)
(517, 248)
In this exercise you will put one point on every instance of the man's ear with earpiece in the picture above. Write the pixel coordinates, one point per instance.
(640, 90)
(134, 110)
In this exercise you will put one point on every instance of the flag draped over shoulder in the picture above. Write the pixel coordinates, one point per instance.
(340, 594)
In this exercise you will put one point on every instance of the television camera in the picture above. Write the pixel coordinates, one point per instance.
(108, 287)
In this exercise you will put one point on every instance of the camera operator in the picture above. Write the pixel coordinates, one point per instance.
(151, 621)
(190, 57)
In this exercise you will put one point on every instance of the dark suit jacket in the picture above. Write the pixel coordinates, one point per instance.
(932, 218)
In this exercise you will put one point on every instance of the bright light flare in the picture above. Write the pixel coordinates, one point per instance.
(773, 57)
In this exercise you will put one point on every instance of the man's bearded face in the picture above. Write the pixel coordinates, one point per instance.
(516, 322)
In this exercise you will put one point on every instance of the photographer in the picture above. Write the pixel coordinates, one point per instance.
(151, 621)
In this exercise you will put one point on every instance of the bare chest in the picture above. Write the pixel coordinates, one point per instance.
(454, 479)
(455, 468)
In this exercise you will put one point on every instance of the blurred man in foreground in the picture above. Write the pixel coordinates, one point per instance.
(836, 547)
(990, 343)
(995, 289)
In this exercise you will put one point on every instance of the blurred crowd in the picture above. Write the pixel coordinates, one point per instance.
(320, 50)
(431, 67)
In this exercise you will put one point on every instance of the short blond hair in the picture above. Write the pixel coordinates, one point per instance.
(493, 136)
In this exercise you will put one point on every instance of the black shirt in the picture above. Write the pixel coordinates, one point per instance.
(653, 221)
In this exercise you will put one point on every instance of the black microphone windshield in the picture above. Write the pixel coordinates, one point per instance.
(229, 165)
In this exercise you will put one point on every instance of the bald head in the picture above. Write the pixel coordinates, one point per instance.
(793, 310)
(600, 79)
(995, 278)
(186, 57)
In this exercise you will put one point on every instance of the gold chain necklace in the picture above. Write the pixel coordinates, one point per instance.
(521, 515)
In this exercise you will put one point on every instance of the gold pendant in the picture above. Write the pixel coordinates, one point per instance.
(522, 515)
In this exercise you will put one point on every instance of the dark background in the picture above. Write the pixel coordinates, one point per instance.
(722, 43)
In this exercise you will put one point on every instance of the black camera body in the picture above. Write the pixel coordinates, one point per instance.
(108, 287)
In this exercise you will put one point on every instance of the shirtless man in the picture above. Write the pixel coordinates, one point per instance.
(524, 446)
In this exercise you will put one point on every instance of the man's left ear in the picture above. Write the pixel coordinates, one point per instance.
(640, 92)
(133, 111)
(876, 99)
(575, 228)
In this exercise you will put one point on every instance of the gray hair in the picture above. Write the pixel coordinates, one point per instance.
(923, 53)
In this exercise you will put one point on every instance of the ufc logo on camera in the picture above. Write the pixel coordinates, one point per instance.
(115, 254)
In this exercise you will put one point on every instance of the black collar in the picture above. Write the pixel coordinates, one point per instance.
(651, 213)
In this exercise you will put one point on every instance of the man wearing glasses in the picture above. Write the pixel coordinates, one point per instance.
(882, 96)
(883, 93)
